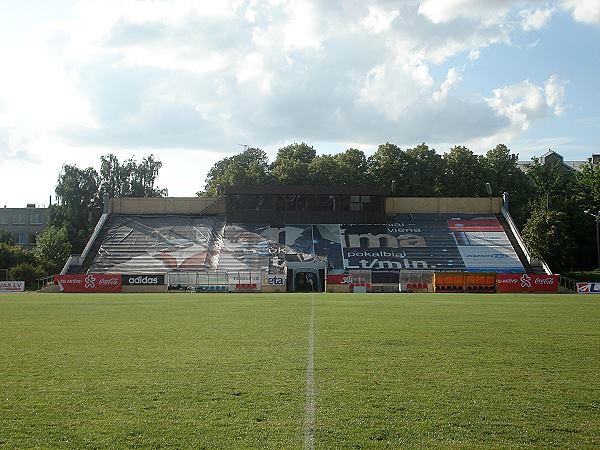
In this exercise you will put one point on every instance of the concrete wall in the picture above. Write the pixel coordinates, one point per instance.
(441, 205)
(168, 205)
(199, 205)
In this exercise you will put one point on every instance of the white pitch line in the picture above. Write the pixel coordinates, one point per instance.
(309, 420)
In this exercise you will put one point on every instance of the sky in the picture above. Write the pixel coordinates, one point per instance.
(192, 81)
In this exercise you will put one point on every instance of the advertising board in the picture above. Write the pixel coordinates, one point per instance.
(142, 280)
(516, 282)
(339, 279)
(11, 286)
(588, 288)
(88, 283)
(274, 280)
(244, 278)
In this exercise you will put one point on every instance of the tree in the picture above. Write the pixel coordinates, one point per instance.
(353, 166)
(504, 175)
(548, 238)
(424, 172)
(26, 272)
(588, 186)
(464, 173)
(53, 248)
(130, 179)
(250, 167)
(11, 255)
(554, 184)
(6, 237)
(555, 188)
(388, 164)
(325, 169)
(292, 164)
(80, 192)
(79, 208)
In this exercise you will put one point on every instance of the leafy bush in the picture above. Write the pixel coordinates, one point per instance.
(26, 272)
(6, 237)
(53, 248)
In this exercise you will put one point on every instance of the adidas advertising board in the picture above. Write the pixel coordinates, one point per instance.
(143, 280)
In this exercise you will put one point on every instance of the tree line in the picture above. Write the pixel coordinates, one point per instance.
(546, 201)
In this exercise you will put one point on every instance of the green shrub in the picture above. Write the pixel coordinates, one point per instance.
(26, 272)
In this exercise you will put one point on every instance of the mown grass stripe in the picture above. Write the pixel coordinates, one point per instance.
(309, 421)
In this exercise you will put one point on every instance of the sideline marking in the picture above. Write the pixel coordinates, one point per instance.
(309, 420)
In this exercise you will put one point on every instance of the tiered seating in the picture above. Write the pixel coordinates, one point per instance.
(158, 244)
(409, 242)
(244, 248)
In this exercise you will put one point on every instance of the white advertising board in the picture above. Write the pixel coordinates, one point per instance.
(11, 286)
(588, 288)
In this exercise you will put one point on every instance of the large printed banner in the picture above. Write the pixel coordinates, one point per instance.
(430, 242)
(88, 283)
(11, 286)
(588, 288)
(438, 242)
(512, 282)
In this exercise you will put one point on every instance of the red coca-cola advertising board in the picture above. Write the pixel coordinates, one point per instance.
(88, 283)
(524, 282)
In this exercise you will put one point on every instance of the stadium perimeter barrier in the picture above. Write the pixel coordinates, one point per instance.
(465, 282)
(417, 281)
(233, 281)
(359, 281)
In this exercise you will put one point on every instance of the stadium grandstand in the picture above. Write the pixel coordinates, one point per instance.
(307, 238)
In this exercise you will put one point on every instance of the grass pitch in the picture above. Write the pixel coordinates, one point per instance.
(230, 371)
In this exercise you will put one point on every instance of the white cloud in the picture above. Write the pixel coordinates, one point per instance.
(252, 69)
(38, 92)
(441, 11)
(587, 11)
(301, 30)
(379, 19)
(555, 93)
(396, 86)
(524, 102)
(452, 78)
(534, 20)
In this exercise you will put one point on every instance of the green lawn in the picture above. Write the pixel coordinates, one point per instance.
(230, 371)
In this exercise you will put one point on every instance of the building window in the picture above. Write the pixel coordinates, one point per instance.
(32, 238)
(355, 203)
(19, 219)
(35, 219)
(4, 219)
(22, 238)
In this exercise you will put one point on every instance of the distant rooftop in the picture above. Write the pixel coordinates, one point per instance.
(551, 157)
